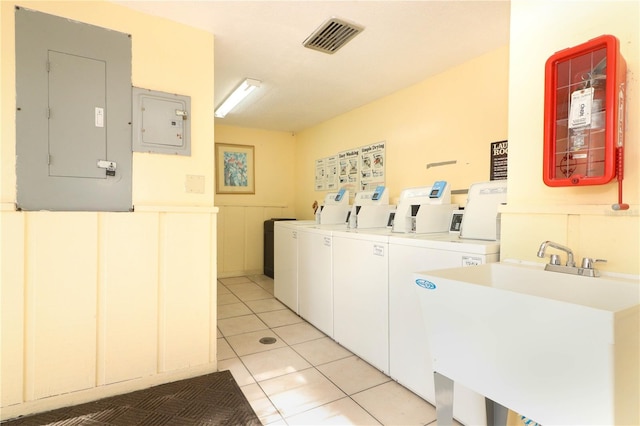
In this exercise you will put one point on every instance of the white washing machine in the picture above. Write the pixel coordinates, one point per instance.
(360, 294)
(285, 260)
(315, 275)
(409, 353)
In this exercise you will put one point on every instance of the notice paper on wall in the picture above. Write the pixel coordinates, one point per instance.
(357, 169)
(349, 170)
(372, 166)
(327, 174)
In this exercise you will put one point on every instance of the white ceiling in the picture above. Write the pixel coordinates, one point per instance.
(404, 42)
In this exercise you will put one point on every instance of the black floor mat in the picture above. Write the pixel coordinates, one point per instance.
(213, 399)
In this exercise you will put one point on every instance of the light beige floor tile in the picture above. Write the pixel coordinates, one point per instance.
(263, 408)
(321, 351)
(224, 351)
(353, 374)
(298, 333)
(304, 396)
(341, 412)
(238, 325)
(267, 286)
(279, 318)
(249, 343)
(233, 310)
(265, 305)
(300, 391)
(274, 363)
(226, 299)
(239, 288)
(238, 370)
(253, 295)
(392, 404)
(264, 282)
(234, 280)
(260, 278)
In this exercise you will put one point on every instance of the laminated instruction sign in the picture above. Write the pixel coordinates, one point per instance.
(327, 174)
(357, 169)
(349, 166)
(372, 166)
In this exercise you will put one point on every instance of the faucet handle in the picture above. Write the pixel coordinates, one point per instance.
(587, 262)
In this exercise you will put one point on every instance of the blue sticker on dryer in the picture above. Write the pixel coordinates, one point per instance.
(426, 284)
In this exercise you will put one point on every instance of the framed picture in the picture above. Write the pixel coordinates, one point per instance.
(235, 169)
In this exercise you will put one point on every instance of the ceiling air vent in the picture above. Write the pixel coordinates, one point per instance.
(332, 35)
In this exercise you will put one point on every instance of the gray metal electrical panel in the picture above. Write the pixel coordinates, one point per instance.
(161, 122)
(73, 118)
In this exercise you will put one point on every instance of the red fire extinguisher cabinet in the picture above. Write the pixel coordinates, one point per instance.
(584, 113)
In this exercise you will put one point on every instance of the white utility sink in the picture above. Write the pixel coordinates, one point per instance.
(557, 348)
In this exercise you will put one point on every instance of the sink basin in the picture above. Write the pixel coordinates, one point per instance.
(557, 348)
(607, 293)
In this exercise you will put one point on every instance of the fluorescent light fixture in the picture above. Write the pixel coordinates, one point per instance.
(237, 96)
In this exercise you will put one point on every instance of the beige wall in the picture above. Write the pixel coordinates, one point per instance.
(451, 116)
(581, 218)
(241, 217)
(100, 303)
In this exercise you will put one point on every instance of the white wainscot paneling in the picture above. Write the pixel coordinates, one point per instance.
(241, 238)
(185, 299)
(97, 303)
(12, 307)
(61, 302)
(128, 309)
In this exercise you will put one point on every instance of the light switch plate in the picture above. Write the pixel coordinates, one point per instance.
(194, 184)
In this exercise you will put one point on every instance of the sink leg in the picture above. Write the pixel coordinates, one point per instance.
(496, 413)
(444, 399)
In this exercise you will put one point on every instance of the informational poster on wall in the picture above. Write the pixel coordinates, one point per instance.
(499, 153)
(327, 174)
(320, 174)
(358, 169)
(349, 170)
(372, 161)
(332, 173)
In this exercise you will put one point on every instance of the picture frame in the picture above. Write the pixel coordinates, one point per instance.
(235, 169)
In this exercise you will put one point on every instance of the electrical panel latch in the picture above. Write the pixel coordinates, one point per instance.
(110, 166)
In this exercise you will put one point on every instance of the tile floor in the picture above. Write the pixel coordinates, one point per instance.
(304, 378)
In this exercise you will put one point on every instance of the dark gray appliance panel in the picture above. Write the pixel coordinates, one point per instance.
(76, 95)
(73, 118)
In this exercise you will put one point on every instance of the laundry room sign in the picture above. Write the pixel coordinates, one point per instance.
(499, 153)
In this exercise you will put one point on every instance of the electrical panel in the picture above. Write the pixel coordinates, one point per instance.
(73, 117)
(161, 122)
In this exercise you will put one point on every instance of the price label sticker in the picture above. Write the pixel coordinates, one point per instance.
(471, 261)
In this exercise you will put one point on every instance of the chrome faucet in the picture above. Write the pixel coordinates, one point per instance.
(555, 260)
(554, 264)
